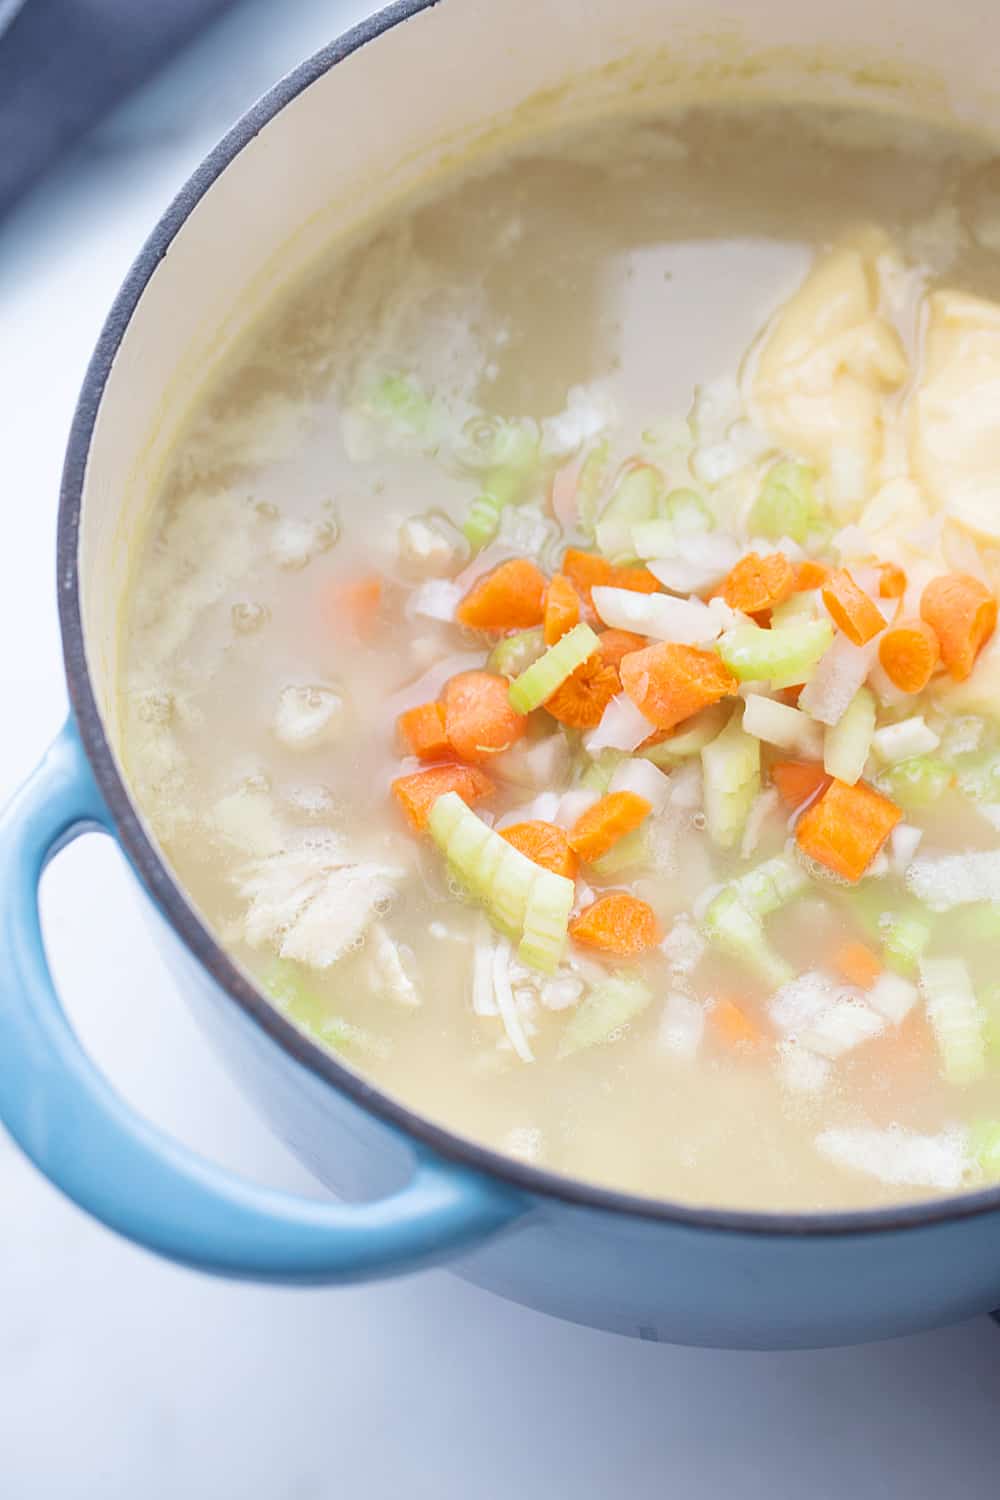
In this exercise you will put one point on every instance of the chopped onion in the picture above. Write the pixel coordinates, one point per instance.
(904, 841)
(892, 996)
(784, 726)
(841, 1027)
(643, 778)
(841, 671)
(622, 727)
(484, 1000)
(682, 1025)
(702, 560)
(902, 741)
(660, 616)
(763, 807)
(506, 1004)
(436, 599)
(573, 804)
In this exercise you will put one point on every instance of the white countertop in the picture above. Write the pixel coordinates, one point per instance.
(122, 1377)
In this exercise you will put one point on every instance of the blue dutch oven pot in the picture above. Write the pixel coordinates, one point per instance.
(409, 87)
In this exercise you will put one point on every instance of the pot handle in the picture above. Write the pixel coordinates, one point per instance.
(96, 1149)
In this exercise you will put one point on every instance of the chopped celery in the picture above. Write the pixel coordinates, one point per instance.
(399, 404)
(603, 1014)
(846, 744)
(629, 853)
(793, 610)
(917, 783)
(589, 485)
(984, 1147)
(634, 499)
(492, 443)
(905, 935)
(698, 732)
(784, 656)
(290, 990)
(979, 778)
(515, 653)
(739, 933)
(687, 512)
(509, 453)
(731, 766)
(546, 921)
(786, 505)
(780, 724)
(521, 899)
(770, 885)
(596, 775)
(979, 922)
(956, 1018)
(655, 538)
(536, 683)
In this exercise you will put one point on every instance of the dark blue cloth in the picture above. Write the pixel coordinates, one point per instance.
(65, 63)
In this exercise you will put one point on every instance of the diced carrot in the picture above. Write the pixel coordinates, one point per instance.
(962, 612)
(618, 643)
(732, 1025)
(354, 603)
(758, 583)
(417, 793)
(791, 695)
(668, 682)
(580, 701)
(618, 923)
(798, 781)
(858, 964)
(585, 570)
(909, 652)
(478, 718)
(512, 597)
(846, 827)
(544, 843)
(562, 608)
(602, 825)
(809, 575)
(858, 616)
(422, 730)
(892, 581)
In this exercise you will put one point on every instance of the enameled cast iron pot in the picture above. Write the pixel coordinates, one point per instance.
(398, 97)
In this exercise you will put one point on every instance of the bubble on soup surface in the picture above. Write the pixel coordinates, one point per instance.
(248, 617)
(308, 716)
(295, 543)
(153, 705)
(313, 801)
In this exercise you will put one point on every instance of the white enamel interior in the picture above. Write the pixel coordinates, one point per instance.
(403, 105)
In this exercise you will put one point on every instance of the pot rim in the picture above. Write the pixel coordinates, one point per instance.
(160, 884)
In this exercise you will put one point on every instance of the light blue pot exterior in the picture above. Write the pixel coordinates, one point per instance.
(412, 1194)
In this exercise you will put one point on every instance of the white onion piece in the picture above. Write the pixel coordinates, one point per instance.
(660, 616)
(904, 841)
(506, 1003)
(841, 670)
(892, 996)
(643, 778)
(622, 727)
(780, 724)
(841, 1027)
(436, 599)
(904, 740)
(484, 1001)
(701, 561)
(681, 1026)
(764, 805)
(573, 804)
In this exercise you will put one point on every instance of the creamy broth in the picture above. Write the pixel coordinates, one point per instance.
(658, 291)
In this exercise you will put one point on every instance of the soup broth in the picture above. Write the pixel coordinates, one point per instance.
(729, 377)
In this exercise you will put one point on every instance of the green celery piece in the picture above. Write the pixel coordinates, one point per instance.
(629, 853)
(399, 401)
(786, 505)
(846, 745)
(793, 610)
(956, 1018)
(731, 774)
(610, 1006)
(516, 652)
(589, 485)
(546, 921)
(737, 932)
(698, 732)
(290, 990)
(979, 777)
(634, 499)
(984, 1147)
(770, 885)
(687, 512)
(536, 683)
(597, 773)
(979, 922)
(510, 460)
(786, 654)
(916, 783)
(905, 936)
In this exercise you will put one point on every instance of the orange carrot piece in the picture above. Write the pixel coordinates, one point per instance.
(908, 653)
(422, 730)
(585, 570)
(857, 616)
(355, 603)
(798, 781)
(892, 583)
(618, 643)
(544, 843)
(478, 718)
(858, 964)
(602, 825)
(417, 793)
(732, 1025)
(618, 923)
(668, 682)
(962, 612)
(846, 827)
(791, 695)
(809, 575)
(758, 583)
(512, 597)
(562, 608)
